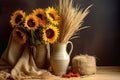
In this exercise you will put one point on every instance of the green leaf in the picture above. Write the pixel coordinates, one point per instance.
(38, 42)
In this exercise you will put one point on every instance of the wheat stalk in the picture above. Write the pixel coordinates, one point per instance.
(71, 19)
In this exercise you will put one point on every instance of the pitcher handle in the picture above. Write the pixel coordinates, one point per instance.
(69, 42)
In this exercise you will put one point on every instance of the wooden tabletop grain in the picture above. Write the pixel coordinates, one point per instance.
(103, 73)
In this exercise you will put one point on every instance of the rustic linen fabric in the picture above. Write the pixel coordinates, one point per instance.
(20, 58)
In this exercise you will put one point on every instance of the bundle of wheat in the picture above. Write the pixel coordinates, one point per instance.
(71, 19)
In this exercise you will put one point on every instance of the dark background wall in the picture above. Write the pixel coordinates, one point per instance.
(101, 40)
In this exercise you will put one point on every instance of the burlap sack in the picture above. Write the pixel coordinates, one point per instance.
(25, 59)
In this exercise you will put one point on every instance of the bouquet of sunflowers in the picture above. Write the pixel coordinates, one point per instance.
(39, 27)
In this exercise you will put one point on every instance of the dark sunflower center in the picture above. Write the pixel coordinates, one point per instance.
(19, 34)
(18, 18)
(52, 16)
(31, 23)
(40, 16)
(50, 33)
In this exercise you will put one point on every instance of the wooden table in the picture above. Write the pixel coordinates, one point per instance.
(103, 73)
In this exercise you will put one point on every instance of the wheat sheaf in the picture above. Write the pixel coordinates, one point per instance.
(72, 18)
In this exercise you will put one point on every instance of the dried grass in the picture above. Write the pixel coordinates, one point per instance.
(72, 19)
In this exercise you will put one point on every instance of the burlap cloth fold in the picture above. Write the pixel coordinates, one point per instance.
(21, 59)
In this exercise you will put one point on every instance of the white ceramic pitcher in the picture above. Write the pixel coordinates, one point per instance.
(59, 58)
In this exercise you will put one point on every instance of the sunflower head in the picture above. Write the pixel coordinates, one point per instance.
(52, 15)
(19, 36)
(40, 14)
(50, 34)
(31, 22)
(17, 18)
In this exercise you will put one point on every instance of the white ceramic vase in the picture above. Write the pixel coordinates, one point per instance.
(60, 58)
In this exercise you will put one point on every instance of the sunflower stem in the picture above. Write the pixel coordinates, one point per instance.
(32, 37)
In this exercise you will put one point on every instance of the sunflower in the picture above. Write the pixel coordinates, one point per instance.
(50, 34)
(31, 22)
(40, 13)
(19, 36)
(52, 15)
(17, 17)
